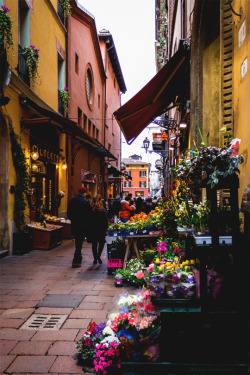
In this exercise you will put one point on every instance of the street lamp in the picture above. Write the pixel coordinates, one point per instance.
(146, 144)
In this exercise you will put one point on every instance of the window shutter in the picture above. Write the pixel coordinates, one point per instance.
(226, 73)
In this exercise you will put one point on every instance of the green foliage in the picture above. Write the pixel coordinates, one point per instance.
(6, 36)
(64, 94)
(65, 4)
(31, 55)
(22, 178)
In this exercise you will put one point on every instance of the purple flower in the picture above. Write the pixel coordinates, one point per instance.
(66, 88)
(37, 51)
(154, 280)
(5, 8)
(158, 291)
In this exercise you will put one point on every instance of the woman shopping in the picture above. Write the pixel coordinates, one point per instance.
(126, 210)
(98, 225)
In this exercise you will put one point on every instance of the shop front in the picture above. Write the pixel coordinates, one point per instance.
(44, 182)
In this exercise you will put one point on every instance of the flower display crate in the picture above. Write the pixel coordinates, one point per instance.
(66, 225)
(45, 238)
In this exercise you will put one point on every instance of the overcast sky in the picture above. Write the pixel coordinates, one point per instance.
(132, 25)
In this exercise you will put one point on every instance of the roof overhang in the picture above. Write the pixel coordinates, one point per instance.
(152, 100)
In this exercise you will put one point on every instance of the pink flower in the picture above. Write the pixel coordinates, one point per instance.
(5, 8)
(66, 88)
(139, 275)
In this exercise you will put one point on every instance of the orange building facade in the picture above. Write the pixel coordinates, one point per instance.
(138, 170)
(95, 83)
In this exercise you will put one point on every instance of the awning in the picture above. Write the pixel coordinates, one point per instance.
(64, 125)
(154, 98)
(116, 173)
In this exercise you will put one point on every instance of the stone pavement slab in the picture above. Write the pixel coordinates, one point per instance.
(32, 348)
(63, 348)
(6, 346)
(27, 364)
(5, 361)
(66, 365)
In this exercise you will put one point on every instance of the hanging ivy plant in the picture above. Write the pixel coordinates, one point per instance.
(64, 95)
(22, 178)
(65, 4)
(6, 36)
(31, 55)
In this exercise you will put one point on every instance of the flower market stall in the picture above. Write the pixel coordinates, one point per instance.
(188, 313)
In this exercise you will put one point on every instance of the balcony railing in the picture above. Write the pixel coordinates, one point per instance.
(60, 104)
(22, 67)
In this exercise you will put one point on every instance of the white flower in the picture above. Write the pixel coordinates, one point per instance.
(109, 339)
(108, 331)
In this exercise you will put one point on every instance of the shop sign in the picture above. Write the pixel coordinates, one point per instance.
(160, 136)
(242, 33)
(47, 155)
(244, 68)
(87, 176)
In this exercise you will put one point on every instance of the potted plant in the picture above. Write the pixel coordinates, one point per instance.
(65, 4)
(22, 240)
(64, 95)
(6, 36)
(31, 55)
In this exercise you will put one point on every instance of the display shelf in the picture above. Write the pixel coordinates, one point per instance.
(45, 238)
(147, 368)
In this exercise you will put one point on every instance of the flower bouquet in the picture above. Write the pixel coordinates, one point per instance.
(155, 278)
(138, 329)
(86, 345)
(100, 348)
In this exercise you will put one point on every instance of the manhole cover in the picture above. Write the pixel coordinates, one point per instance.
(61, 300)
(44, 322)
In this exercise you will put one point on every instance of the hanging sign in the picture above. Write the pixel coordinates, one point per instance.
(160, 136)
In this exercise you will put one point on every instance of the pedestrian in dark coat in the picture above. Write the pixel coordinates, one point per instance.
(78, 212)
(98, 225)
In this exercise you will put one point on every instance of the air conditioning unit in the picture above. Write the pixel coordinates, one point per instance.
(158, 146)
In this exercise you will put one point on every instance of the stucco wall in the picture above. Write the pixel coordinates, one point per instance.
(242, 93)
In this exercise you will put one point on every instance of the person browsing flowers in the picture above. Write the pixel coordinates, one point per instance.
(126, 209)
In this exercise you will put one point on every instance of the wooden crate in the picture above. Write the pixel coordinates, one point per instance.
(46, 238)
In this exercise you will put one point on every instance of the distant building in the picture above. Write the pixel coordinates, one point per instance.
(139, 170)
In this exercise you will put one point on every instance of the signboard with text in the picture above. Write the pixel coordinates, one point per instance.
(160, 136)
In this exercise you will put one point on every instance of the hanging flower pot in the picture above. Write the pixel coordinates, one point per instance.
(31, 56)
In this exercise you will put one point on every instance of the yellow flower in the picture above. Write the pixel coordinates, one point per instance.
(157, 261)
(160, 268)
(192, 261)
(186, 267)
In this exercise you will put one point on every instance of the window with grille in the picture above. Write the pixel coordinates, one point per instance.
(128, 173)
(97, 134)
(89, 85)
(89, 127)
(143, 174)
(79, 118)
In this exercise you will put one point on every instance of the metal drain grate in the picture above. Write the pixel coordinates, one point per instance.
(44, 322)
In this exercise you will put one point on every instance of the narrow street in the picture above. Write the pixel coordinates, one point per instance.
(43, 282)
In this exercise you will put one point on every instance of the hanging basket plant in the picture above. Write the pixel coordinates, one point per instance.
(64, 95)
(6, 36)
(31, 55)
(22, 187)
(65, 4)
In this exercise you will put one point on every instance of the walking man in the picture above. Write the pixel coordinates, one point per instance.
(78, 212)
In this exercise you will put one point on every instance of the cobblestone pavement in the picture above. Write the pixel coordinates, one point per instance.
(43, 282)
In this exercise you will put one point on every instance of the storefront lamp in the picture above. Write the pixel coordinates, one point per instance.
(34, 167)
(64, 165)
(34, 153)
(183, 125)
(146, 144)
